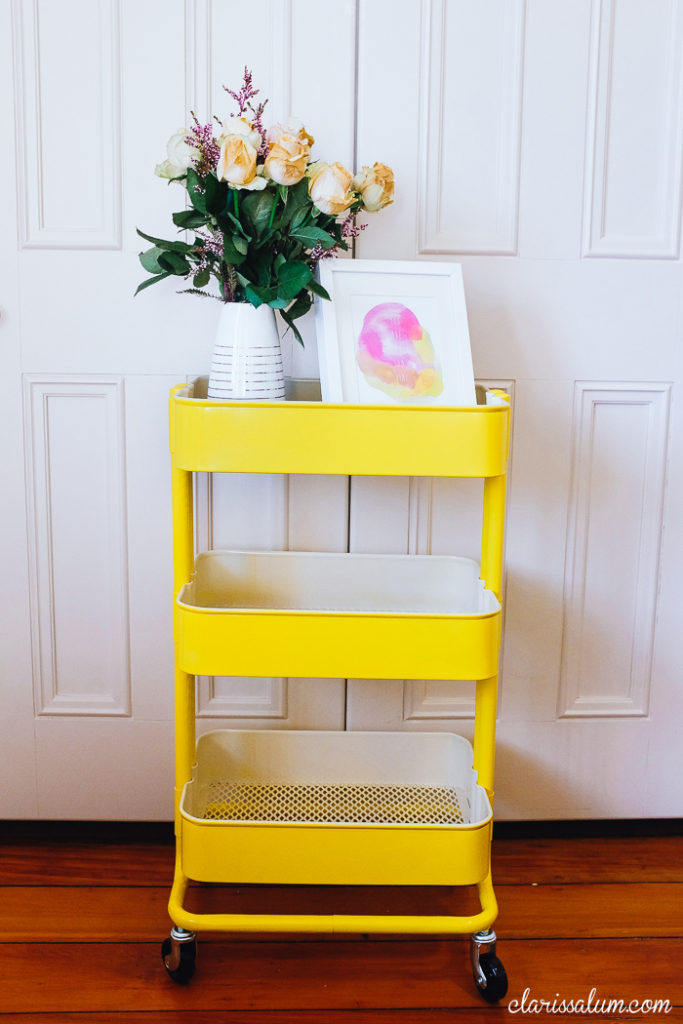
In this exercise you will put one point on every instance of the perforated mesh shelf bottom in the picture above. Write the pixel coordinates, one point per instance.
(332, 804)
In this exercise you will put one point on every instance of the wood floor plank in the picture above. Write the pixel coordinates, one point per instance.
(103, 914)
(83, 914)
(591, 910)
(92, 863)
(614, 859)
(335, 976)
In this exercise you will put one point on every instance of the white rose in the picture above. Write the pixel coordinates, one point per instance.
(180, 155)
(240, 126)
(293, 127)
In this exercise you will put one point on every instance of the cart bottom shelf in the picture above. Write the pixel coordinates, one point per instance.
(331, 808)
(334, 804)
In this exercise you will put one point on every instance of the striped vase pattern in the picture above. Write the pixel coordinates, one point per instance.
(246, 363)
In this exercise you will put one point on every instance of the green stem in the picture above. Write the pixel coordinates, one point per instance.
(272, 212)
(235, 203)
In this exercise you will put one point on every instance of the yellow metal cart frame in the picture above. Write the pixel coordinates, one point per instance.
(309, 437)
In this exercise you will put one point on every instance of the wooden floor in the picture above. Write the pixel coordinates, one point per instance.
(83, 913)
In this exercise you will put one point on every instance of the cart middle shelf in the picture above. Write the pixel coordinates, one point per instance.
(335, 615)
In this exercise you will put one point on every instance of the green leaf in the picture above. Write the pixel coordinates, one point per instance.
(189, 219)
(261, 262)
(299, 218)
(298, 194)
(238, 225)
(278, 303)
(202, 278)
(195, 190)
(150, 260)
(256, 208)
(288, 320)
(292, 277)
(302, 305)
(253, 295)
(213, 194)
(318, 289)
(240, 244)
(310, 235)
(298, 204)
(149, 281)
(231, 254)
(166, 246)
(174, 263)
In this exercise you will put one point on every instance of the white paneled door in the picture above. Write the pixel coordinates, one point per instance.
(87, 672)
(537, 144)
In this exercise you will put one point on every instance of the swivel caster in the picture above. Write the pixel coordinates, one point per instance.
(178, 954)
(489, 973)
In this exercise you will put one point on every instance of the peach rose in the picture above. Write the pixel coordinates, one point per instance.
(376, 186)
(329, 187)
(239, 150)
(287, 159)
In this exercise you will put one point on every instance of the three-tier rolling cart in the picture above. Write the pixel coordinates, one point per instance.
(334, 808)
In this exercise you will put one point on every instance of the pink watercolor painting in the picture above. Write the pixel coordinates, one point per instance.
(395, 353)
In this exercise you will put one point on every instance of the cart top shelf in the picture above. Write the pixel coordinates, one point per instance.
(305, 435)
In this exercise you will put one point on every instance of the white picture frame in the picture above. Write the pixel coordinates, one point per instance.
(393, 333)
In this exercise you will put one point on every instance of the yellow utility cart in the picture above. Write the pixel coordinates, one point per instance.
(334, 808)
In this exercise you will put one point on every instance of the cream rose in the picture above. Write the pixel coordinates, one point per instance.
(291, 127)
(239, 150)
(180, 155)
(287, 159)
(376, 186)
(329, 186)
(240, 126)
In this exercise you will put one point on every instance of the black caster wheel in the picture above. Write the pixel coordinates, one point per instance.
(489, 973)
(495, 978)
(179, 957)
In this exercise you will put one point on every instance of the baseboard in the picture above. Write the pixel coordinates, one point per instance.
(87, 831)
(582, 829)
(162, 831)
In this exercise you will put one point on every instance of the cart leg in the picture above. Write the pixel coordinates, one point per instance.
(178, 954)
(489, 973)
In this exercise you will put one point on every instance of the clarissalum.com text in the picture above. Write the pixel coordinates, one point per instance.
(592, 1003)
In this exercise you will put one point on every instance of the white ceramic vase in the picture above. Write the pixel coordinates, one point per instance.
(247, 358)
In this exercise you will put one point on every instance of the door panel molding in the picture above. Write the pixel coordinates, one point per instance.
(235, 696)
(78, 548)
(470, 202)
(633, 151)
(56, 210)
(616, 507)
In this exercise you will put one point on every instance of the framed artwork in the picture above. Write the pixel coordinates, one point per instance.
(394, 333)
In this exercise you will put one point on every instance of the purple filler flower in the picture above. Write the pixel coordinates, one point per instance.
(244, 100)
(200, 136)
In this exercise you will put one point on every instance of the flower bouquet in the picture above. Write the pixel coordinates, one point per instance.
(262, 212)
